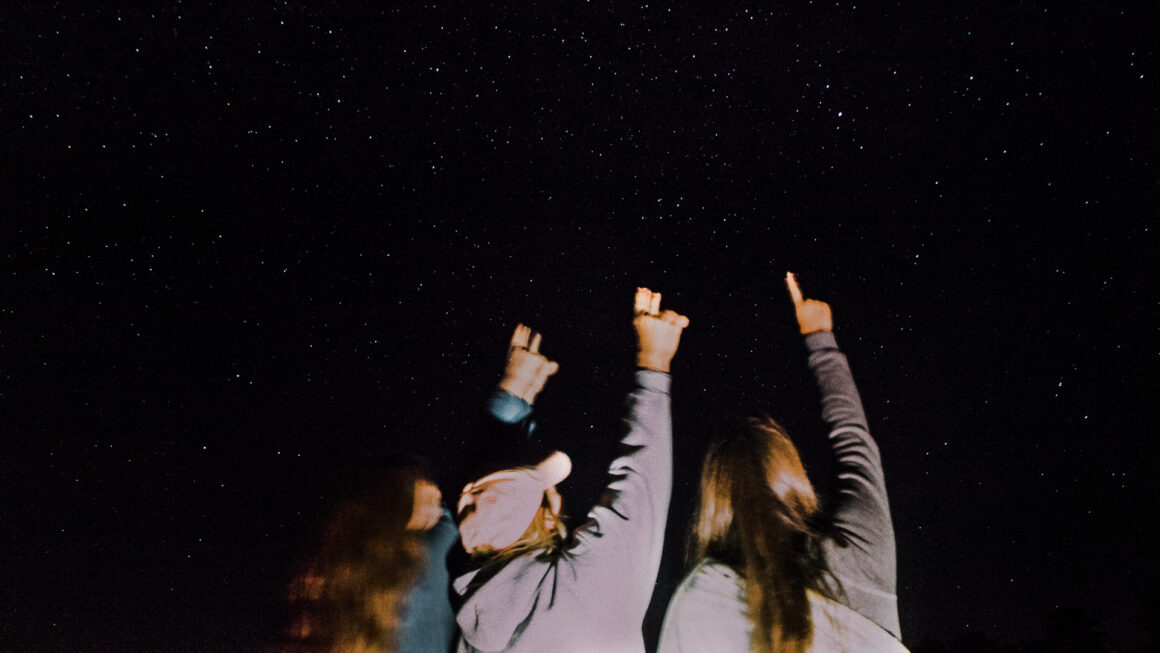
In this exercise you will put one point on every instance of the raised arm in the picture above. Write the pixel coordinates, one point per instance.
(525, 374)
(624, 533)
(859, 507)
(506, 421)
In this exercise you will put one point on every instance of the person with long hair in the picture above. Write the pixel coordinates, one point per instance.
(376, 581)
(533, 588)
(773, 571)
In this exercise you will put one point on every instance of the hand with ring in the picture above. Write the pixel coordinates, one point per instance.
(658, 334)
(527, 370)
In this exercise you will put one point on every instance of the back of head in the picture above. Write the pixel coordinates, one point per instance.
(513, 511)
(348, 593)
(755, 513)
(545, 534)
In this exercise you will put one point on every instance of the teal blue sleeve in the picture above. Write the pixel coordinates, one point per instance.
(508, 408)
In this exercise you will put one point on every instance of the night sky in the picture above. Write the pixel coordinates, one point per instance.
(245, 245)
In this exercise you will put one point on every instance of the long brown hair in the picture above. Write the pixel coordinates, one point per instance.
(347, 596)
(757, 513)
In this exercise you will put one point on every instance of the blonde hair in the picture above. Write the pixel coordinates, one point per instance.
(756, 513)
(546, 533)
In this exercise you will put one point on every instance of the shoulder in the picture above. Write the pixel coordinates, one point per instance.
(707, 612)
(839, 628)
(712, 594)
(711, 576)
(443, 535)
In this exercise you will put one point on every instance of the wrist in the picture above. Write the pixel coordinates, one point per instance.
(517, 387)
(819, 340)
(653, 362)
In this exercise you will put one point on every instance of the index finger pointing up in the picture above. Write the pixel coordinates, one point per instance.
(795, 293)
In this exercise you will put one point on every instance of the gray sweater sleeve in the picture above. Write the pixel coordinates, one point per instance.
(622, 539)
(866, 561)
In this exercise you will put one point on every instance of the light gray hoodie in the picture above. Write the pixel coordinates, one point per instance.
(593, 596)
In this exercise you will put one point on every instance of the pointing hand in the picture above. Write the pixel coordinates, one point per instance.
(812, 315)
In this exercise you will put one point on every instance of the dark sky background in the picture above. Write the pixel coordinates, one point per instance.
(246, 244)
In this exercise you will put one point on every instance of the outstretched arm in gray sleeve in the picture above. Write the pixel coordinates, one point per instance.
(864, 559)
(859, 507)
(622, 540)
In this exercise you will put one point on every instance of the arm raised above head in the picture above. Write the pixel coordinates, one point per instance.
(859, 507)
(624, 533)
(647, 423)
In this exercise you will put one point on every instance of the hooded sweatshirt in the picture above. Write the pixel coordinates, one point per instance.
(592, 596)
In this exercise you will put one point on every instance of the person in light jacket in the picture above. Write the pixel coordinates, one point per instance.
(535, 589)
(772, 570)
